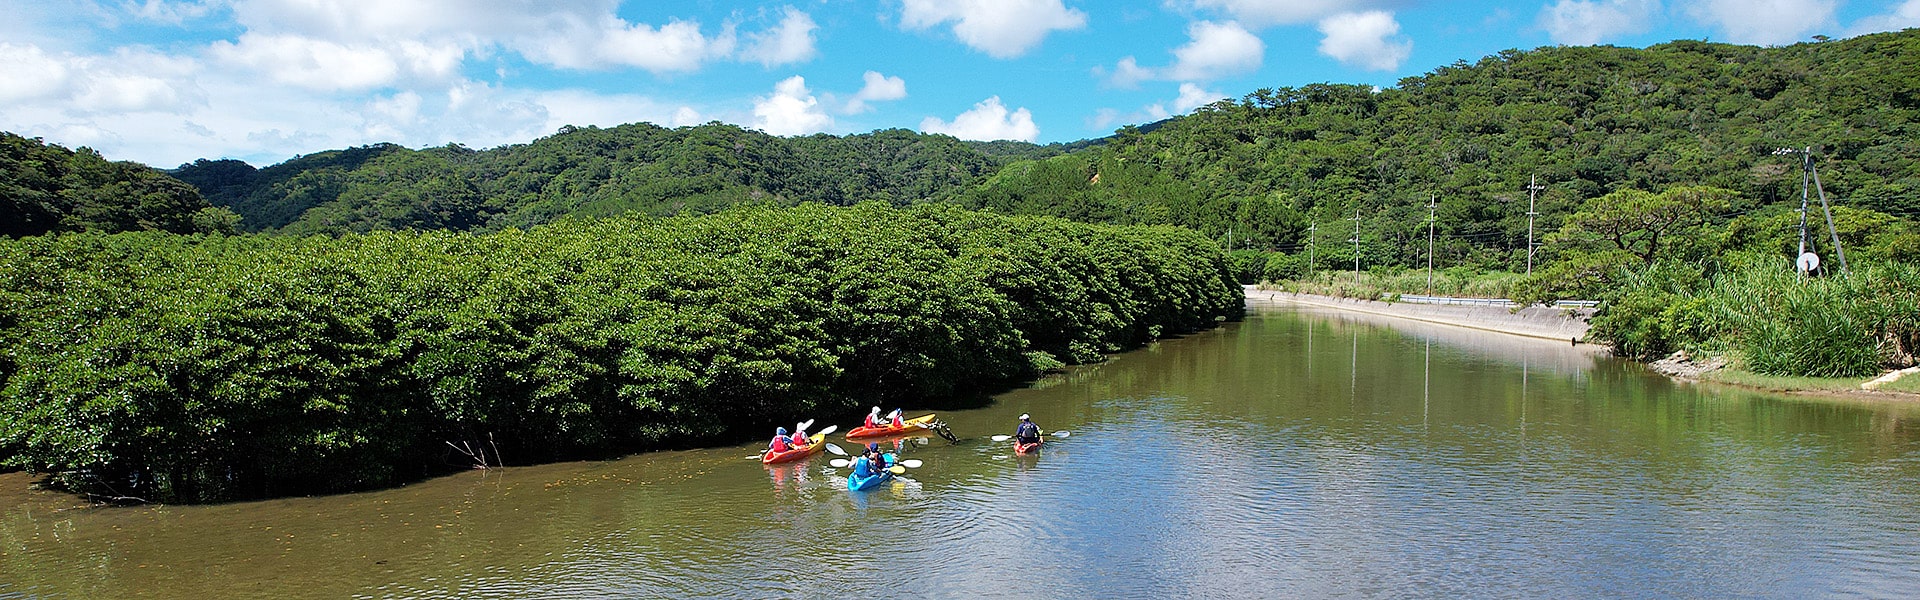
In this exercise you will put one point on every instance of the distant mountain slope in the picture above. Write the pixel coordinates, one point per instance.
(46, 188)
(1585, 120)
(1257, 171)
(591, 172)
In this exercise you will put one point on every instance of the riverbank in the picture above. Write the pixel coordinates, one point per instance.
(1561, 324)
(1570, 325)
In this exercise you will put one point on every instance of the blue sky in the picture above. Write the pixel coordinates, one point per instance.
(167, 81)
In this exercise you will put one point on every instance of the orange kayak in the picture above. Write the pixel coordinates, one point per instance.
(793, 454)
(1019, 448)
(911, 426)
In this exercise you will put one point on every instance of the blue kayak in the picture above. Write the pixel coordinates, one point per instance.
(856, 483)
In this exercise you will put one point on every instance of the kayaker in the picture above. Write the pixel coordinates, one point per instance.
(780, 441)
(873, 419)
(1027, 432)
(799, 437)
(870, 462)
(893, 419)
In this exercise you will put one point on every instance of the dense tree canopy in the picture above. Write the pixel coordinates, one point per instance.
(190, 368)
(45, 188)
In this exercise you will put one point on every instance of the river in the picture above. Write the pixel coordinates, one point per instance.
(1299, 453)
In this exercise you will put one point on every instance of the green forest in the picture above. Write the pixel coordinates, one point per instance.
(220, 330)
(201, 368)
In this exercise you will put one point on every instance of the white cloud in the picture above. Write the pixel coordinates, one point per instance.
(1193, 96)
(1261, 13)
(571, 34)
(331, 66)
(27, 72)
(685, 116)
(1213, 50)
(1589, 22)
(1216, 50)
(174, 12)
(988, 120)
(678, 46)
(1128, 73)
(1000, 28)
(1767, 22)
(127, 81)
(1364, 40)
(877, 88)
(791, 110)
(789, 42)
(881, 87)
(1901, 17)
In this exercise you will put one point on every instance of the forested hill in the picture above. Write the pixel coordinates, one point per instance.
(46, 188)
(594, 172)
(1584, 120)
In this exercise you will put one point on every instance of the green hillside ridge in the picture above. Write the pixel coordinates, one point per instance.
(47, 188)
(1586, 121)
(593, 172)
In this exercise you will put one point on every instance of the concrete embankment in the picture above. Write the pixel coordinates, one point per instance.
(1564, 324)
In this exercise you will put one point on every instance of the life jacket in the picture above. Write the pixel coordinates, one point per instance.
(1027, 432)
(862, 467)
(799, 439)
(896, 420)
(873, 420)
(779, 444)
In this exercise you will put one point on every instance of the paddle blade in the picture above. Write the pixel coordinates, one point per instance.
(839, 463)
(911, 463)
(897, 470)
(754, 457)
(835, 449)
(804, 425)
(1002, 438)
(1060, 434)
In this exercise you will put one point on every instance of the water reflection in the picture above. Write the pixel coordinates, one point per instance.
(1220, 465)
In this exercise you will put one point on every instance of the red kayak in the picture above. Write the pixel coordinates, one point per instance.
(916, 425)
(793, 454)
(1019, 448)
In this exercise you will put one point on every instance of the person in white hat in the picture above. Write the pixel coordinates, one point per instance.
(873, 418)
(1027, 433)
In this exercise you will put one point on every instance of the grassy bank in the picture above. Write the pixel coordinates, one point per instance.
(202, 368)
(1389, 282)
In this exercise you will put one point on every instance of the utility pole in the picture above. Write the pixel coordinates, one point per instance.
(1533, 188)
(1312, 225)
(1806, 172)
(1432, 201)
(1828, 210)
(1811, 175)
(1356, 244)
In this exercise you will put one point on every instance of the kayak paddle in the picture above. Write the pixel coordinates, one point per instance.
(1058, 434)
(839, 463)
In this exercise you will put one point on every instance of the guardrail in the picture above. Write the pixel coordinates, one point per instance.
(1490, 301)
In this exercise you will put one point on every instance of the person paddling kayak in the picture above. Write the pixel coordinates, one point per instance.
(870, 463)
(1026, 436)
(780, 443)
(799, 437)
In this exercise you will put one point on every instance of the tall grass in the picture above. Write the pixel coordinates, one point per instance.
(1374, 285)
(1838, 326)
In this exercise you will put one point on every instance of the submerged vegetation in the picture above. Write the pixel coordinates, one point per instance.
(198, 368)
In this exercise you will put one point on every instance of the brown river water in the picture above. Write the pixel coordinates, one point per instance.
(1300, 453)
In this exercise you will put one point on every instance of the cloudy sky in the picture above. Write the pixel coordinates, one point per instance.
(167, 81)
